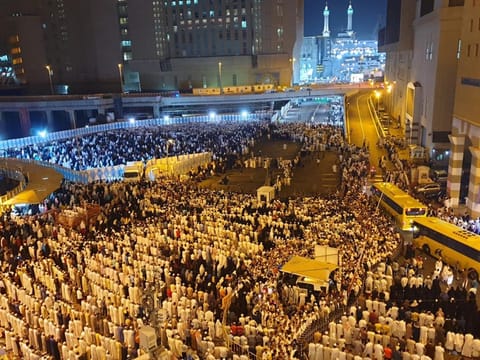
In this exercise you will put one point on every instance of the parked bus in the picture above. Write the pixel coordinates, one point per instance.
(454, 245)
(403, 208)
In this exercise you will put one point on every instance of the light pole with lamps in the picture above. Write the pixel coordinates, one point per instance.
(170, 143)
(120, 74)
(50, 74)
(220, 76)
(292, 61)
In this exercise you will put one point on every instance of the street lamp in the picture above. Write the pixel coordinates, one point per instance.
(120, 73)
(50, 74)
(220, 76)
(292, 61)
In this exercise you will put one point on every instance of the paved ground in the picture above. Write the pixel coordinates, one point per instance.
(309, 178)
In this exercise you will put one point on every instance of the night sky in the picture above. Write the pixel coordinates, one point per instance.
(367, 14)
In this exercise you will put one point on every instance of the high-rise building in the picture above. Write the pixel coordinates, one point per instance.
(78, 40)
(153, 45)
(464, 166)
(350, 18)
(421, 41)
(433, 52)
(326, 26)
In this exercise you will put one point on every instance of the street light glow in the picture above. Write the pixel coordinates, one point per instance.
(42, 133)
(50, 74)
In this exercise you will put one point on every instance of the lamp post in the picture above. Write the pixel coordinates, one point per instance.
(170, 142)
(120, 74)
(292, 61)
(50, 74)
(220, 76)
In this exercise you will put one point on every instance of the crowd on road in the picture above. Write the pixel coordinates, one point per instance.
(188, 260)
(117, 147)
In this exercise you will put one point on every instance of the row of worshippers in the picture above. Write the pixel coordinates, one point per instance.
(134, 248)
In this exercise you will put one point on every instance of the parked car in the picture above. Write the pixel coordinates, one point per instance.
(429, 190)
(439, 176)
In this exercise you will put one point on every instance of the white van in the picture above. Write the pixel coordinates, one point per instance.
(133, 171)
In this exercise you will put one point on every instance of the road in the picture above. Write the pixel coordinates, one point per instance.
(361, 129)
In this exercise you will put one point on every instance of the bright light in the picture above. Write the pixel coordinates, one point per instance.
(212, 114)
(244, 113)
(377, 94)
(166, 118)
(42, 133)
(131, 120)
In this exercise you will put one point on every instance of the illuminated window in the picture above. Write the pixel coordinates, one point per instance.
(127, 56)
(126, 43)
(459, 48)
(17, 61)
(15, 51)
(123, 20)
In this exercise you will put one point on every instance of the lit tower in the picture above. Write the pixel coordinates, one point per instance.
(350, 16)
(326, 14)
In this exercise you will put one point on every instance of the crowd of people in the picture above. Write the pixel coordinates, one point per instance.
(182, 259)
(117, 147)
(405, 313)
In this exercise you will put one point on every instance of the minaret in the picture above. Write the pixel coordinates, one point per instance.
(326, 14)
(350, 15)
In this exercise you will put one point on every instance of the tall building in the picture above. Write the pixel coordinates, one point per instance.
(433, 52)
(153, 45)
(423, 64)
(396, 40)
(326, 26)
(78, 40)
(350, 18)
(464, 166)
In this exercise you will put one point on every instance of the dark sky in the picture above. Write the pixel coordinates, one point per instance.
(367, 14)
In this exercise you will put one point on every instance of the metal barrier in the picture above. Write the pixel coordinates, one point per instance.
(320, 325)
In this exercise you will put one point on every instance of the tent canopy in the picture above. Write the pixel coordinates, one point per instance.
(310, 268)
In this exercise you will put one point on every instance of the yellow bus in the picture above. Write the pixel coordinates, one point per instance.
(403, 208)
(454, 245)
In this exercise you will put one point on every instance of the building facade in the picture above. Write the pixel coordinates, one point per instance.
(464, 166)
(420, 40)
(432, 65)
(152, 45)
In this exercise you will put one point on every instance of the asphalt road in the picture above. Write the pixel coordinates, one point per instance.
(361, 129)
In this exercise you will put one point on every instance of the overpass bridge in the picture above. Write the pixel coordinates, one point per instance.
(22, 116)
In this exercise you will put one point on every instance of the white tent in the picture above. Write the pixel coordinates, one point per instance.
(265, 193)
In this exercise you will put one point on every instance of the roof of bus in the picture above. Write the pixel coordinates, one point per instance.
(451, 230)
(401, 197)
